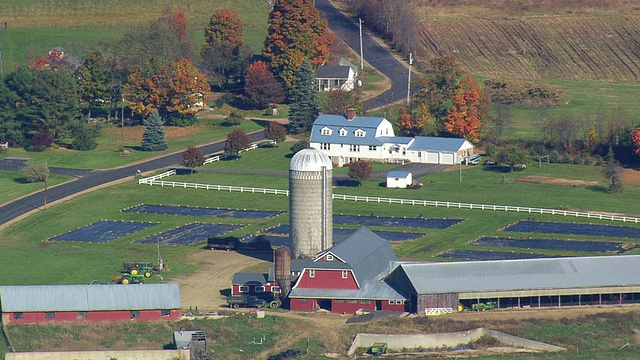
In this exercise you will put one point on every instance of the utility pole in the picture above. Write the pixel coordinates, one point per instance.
(46, 178)
(361, 56)
(409, 81)
(1, 65)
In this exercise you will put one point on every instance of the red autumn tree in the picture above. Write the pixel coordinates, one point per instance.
(178, 25)
(192, 157)
(236, 141)
(261, 87)
(360, 170)
(635, 137)
(275, 131)
(223, 53)
(468, 112)
(296, 32)
(409, 125)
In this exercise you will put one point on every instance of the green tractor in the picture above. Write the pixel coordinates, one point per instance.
(127, 278)
(135, 268)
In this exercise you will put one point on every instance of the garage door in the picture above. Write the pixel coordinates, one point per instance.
(431, 158)
(447, 159)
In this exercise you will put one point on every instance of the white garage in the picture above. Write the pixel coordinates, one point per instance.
(437, 150)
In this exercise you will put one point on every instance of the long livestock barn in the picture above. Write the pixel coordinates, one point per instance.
(557, 282)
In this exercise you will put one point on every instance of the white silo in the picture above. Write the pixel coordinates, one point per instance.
(310, 203)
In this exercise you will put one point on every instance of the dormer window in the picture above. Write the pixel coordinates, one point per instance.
(343, 132)
(325, 131)
(360, 133)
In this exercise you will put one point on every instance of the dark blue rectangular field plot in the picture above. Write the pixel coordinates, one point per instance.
(102, 231)
(489, 255)
(202, 211)
(574, 229)
(395, 222)
(550, 244)
(189, 234)
(387, 235)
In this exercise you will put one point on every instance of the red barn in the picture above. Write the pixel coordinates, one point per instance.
(89, 303)
(347, 277)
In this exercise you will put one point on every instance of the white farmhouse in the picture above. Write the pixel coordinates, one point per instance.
(370, 138)
(341, 76)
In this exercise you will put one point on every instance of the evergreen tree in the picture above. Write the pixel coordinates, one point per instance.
(154, 138)
(304, 101)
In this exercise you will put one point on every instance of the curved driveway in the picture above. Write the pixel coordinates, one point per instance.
(97, 178)
(374, 54)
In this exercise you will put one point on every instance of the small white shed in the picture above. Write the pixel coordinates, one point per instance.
(399, 179)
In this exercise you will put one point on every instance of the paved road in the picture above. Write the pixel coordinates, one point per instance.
(100, 177)
(376, 55)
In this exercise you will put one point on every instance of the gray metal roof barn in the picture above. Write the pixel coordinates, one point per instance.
(39, 298)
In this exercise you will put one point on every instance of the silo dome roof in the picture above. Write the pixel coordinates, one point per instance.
(310, 160)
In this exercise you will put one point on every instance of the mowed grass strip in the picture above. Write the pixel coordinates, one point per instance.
(13, 187)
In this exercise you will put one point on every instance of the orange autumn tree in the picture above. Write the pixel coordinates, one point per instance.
(296, 32)
(179, 89)
(409, 125)
(466, 116)
(223, 54)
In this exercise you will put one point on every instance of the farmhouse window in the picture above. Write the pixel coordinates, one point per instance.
(259, 289)
(18, 316)
(360, 133)
(325, 146)
(312, 273)
(134, 314)
(165, 312)
(276, 289)
(354, 148)
(343, 132)
(244, 289)
(325, 131)
(345, 274)
(49, 315)
(82, 314)
(373, 148)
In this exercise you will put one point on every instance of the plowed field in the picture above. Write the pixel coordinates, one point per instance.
(585, 47)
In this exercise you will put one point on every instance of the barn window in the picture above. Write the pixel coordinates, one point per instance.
(276, 289)
(312, 273)
(353, 301)
(18, 316)
(244, 289)
(134, 314)
(392, 302)
(303, 300)
(82, 314)
(259, 289)
(345, 274)
(339, 301)
(49, 315)
(329, 257)
(165, 312)
(365, 302)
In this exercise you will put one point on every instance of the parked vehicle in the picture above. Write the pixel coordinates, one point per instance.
(378, 348)
(245, 301)
(140, 267)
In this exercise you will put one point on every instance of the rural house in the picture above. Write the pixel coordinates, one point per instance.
(89, 303)
(369, 138)
(341, 76)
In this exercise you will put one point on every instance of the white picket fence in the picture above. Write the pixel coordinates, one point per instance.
(155, 180)
(225, 155)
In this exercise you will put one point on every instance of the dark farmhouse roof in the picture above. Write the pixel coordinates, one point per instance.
(530, 274)
(367, 254)
(249, 279)
(39, 298)
(332, 72)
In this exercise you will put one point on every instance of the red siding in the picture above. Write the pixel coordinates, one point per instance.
(392, 307)
(349, 307)
(327, 279)
(302, 305)
(92, 316)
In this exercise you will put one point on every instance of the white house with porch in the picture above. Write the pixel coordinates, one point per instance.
(370, 138)
(341, 76)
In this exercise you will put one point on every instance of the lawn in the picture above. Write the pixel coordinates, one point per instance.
(54, 262)
(13, 187)
(108, 154)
